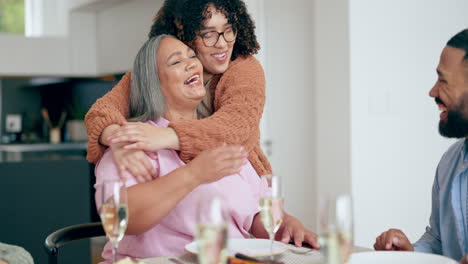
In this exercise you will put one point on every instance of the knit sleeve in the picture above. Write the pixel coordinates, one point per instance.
(239, 102)
(112, 108)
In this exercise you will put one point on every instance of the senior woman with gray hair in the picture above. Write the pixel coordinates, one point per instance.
(167, 85)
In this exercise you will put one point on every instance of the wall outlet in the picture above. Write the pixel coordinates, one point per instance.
(13, 123)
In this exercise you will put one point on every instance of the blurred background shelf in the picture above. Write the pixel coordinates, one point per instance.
(43, 147)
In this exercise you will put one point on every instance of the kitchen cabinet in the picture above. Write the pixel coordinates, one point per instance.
(93, 4)
(103, 38)
(41, 193)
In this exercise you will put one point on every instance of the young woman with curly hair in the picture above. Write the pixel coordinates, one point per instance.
(234, 80)
(221, 33)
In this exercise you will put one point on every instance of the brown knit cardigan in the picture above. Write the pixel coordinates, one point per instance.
(238, 99)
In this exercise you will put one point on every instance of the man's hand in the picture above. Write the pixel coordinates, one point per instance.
(393, 239)
(464, 260)
(292, 230)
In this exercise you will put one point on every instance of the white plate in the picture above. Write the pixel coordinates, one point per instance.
(249, 247)
(400, 257)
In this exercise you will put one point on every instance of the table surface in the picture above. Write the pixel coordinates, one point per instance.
(293, 255)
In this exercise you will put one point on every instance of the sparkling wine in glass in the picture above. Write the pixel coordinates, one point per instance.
(212, 230)
(271, 208)
(114, 212)
(336, 229)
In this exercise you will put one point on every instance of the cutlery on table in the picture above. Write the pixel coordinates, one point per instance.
(176, 261)
(245, 257)
(234, 260)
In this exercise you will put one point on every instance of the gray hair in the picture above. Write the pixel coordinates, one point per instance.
(147, 101)
(146, 98)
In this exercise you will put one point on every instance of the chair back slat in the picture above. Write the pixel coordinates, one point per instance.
(70, 234)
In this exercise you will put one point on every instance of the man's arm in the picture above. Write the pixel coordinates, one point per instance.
(430, 240)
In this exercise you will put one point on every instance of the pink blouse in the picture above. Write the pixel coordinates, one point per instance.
(240, 191)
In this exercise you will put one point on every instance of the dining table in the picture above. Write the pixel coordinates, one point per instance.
(293, 255)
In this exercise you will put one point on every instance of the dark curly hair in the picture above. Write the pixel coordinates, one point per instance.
(184, 19)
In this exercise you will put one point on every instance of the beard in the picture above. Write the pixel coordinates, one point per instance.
(456, 124)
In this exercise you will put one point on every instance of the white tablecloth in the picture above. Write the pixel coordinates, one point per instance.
(293, 255)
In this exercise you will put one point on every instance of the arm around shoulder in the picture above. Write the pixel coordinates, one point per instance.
(239, 102)
(112, 108)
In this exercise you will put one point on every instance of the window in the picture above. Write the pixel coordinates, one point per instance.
(12, 16)
(46, 18)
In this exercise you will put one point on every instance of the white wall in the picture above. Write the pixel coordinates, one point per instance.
(331, 99)
(257, 11)
(33, 56)
(121, 31)
(71, 55)
(48, 51)
(289, 74)
(82, 44)
(104, 37)
(92, 5)
(374, 128)
(46, 18)
(395, 47)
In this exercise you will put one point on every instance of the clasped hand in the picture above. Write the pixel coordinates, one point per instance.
(133, 143)
(141, 136)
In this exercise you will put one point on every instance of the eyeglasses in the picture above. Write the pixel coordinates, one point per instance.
(211, 38)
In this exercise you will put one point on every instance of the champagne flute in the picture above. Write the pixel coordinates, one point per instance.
(336, 229)
(271, 208)
(212, 230)
(114, 212)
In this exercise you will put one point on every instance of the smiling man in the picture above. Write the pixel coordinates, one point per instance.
(447, 233)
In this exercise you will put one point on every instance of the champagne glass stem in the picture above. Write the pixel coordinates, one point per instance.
(114, 252)
(272, 237)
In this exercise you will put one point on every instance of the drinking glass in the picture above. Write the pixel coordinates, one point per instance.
(336, 228)
(212, 230)
(271, 207)
(114, 212)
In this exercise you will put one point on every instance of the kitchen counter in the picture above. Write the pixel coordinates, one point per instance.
(42, 152)
(43, 147)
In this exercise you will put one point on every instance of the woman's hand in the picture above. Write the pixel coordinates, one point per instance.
(212, 165)
(145, 137)
(135, 161)
(292, 230)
